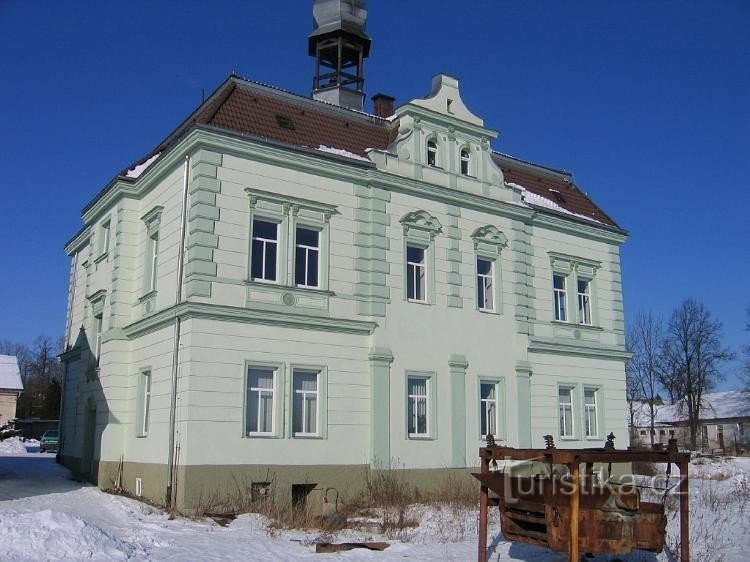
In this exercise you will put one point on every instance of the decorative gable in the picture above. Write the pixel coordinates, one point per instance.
(440, 141)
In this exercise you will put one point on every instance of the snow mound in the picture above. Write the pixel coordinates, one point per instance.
(12, 446)
(54, 535)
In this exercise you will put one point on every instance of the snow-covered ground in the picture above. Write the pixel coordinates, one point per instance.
(44, 515)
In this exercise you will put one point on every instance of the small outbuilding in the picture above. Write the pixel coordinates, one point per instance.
(724, 423)
(10, 387)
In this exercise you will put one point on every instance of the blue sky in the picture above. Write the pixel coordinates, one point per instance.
(647, 103)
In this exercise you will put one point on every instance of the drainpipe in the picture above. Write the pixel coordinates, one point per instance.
(176, 343)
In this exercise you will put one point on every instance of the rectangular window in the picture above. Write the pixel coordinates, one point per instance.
(418, 407)
(415, 274)
(265, 245)
(98, 336)
(260, 401)
(146, 401)
(485, 285)
(584, 302)
(558, 283)
(152, 255)
(589, 405)
(104, 235)
(307, 257)
(305, 403)
(488, 409)
(566, 411)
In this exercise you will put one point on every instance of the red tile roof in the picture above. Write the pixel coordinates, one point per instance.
(266, 112)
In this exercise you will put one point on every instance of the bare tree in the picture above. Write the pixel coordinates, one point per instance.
(643, 372)
(21, 352)
(693, 354)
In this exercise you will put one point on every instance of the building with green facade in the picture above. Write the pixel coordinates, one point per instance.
(291, 290)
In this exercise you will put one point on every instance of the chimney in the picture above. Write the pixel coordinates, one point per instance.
(383, 105)
(340, 45)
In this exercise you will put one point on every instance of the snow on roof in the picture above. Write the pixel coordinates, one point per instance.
(10, 376)
(341, 152)
(642, 414)
(539, 201)
(137, 170)
(717, 405)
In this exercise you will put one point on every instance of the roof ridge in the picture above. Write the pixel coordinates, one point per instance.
(312, 101)
(534, 164)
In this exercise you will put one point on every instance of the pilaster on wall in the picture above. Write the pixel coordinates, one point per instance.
(523, 278)
(371, 243)
(457, 365)
(202, 216)
(380, 408)
(618, 306)
(523, 399)
(453, 233)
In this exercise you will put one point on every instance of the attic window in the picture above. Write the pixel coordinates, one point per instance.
(285, 122)
(558, 196)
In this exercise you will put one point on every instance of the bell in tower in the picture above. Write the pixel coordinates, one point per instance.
(340, 45)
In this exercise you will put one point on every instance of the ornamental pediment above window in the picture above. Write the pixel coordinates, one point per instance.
(421, 222)
(489, 235)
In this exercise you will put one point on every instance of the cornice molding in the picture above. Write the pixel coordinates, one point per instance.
(327, 165)
(187, 310)
(578, 348)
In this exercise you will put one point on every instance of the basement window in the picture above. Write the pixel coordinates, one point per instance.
(300, 492)
(260, 491)
(285, 122)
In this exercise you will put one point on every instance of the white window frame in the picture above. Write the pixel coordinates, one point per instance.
(464, 162)
(414, 399)
(304, 394)
(307, 249)
(584, 302)
(98, 326)
(431, 153)
(484, 405)
(152, 261)
(566, 433)
(481, 280)
(560, 297)
(591, 412)
(255, 393)
(146, 405)
(152, 220)
(265, 242)
(580, 308)
(105, 235)
(412, 269)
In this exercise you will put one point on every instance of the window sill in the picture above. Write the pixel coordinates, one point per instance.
(147, 296)
(569, 438)
(300, 288)
(141, 436)
(487, 311)
(261, 436)
(420, 437)
(101, 257)
(567, 324)
(415, 301)
(306, 436)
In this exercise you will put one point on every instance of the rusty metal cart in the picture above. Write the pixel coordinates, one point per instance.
(565, 512)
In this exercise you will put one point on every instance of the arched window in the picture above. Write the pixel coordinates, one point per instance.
(465, 160)
(431, 152)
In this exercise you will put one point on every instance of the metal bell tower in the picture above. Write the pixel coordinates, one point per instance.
(339, 44)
